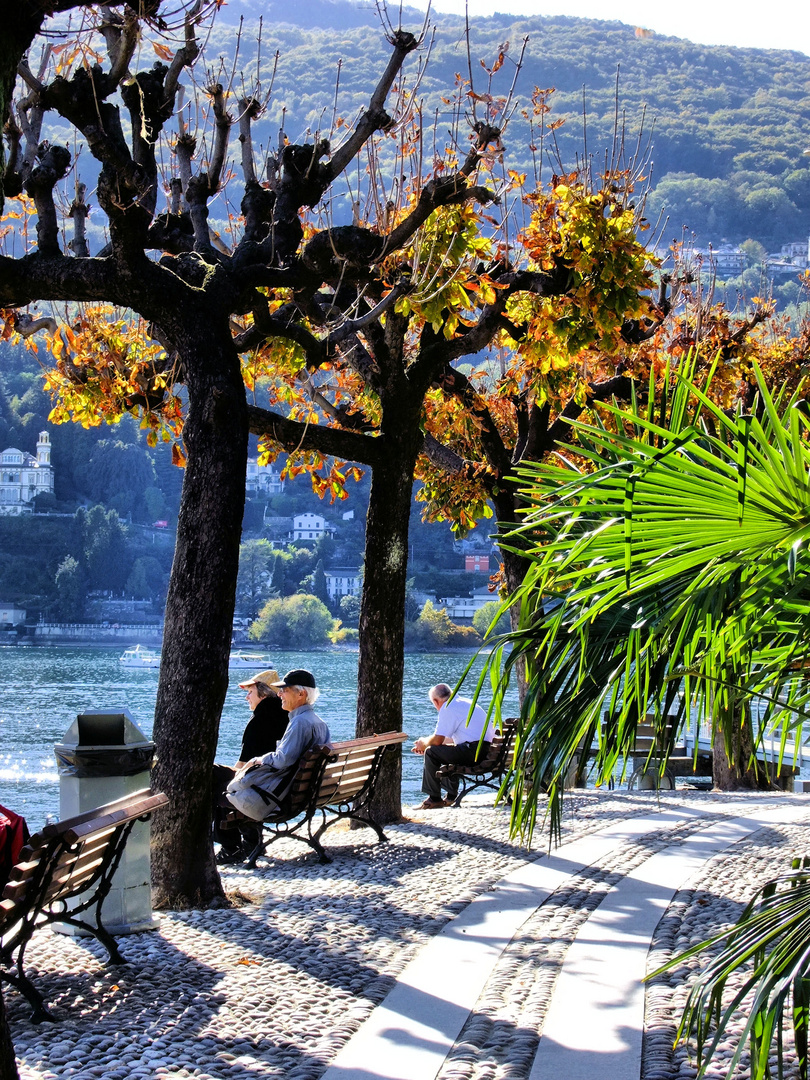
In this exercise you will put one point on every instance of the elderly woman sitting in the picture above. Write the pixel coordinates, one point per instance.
(264, 729)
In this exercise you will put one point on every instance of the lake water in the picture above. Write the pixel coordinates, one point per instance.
(42, 689)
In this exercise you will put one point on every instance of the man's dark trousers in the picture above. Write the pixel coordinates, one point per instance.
(447, 754)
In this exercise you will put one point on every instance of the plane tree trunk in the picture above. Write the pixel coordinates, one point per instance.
(382, 610)
(199, 613)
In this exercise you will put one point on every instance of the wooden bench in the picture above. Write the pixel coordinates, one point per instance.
(335, 782)
(490, 770)
(73, 860)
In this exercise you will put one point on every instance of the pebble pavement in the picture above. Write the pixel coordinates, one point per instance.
(275, 986)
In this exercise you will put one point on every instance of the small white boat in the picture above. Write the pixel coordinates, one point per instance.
(139, 657)
(254, 661)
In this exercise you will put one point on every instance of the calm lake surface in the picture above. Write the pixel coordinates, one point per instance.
(42, 689)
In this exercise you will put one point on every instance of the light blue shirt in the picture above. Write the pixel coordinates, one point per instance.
(305, 730)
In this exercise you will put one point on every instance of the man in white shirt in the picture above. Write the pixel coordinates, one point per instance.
(455, 741)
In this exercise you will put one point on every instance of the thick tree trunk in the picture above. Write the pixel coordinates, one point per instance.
(199, 616)
(515, 565)
(8, 1064)
(737, 774)
(382, 611)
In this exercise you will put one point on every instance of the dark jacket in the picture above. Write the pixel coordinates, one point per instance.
(264, 729)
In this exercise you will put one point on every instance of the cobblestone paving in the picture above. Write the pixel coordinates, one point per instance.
(275, 987)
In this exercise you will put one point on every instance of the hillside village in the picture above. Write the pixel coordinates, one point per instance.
(102, 572)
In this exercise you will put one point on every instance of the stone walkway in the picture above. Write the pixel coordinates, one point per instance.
(475, 948)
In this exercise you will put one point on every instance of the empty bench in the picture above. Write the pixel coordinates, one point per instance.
(71, 861)
(332, 783)
(490, 769)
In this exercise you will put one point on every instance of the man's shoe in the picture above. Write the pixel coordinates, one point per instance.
(431, 804)
(450, 800)
(231, 858)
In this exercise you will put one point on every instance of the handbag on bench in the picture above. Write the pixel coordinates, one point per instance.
(248, 793)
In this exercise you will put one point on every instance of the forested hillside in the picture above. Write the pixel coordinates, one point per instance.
(93, 534)
(728, 126)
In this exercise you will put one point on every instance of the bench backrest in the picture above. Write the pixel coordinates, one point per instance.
(306, 780)
(67, 858)
(337, 773)
(501, 749)
(352, 766)
(650, 739)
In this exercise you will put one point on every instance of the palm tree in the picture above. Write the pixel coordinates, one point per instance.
(668, 577)
(770, 947)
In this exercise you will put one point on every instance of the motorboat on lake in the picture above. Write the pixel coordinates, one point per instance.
(254, 661)
(140, 657)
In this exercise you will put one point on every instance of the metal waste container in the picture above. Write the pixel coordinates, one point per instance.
(104, 756)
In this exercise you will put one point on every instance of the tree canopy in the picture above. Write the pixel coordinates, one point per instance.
(712, 113)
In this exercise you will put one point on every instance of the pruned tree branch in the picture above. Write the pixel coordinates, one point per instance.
(125, 45)
(619, 386)
(375, 118)
(185, 56)
(54, 162)
(294, 435)
(222, 129)
(458, 385)
(78, 213)
(446, 459)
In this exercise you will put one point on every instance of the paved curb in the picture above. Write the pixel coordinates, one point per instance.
(595, 1023)
(409, 1035)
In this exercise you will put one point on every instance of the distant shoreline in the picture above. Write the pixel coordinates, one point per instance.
(152, 641)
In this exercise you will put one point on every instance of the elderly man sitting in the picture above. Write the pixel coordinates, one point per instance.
(455, 741)
(259, 789)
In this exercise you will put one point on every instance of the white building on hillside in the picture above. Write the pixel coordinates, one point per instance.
(310, 527)
(262, 479)
(22, 476)
(343, 581)
(465, 607)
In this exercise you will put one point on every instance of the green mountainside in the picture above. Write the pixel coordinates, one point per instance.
(111, 489)
(728, 127)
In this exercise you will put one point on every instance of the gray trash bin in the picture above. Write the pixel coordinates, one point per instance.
(105, 756)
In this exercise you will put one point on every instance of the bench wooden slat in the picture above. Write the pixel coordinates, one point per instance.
(341, 794)
(23, 870)
(330, 780)
(347, 767)
(114, 818)
(345, 776)
(75, 858)
(365, 753)
(387, 738)
(58, 828)
(341, 783)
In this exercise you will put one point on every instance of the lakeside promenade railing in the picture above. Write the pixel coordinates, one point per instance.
(116, 632)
